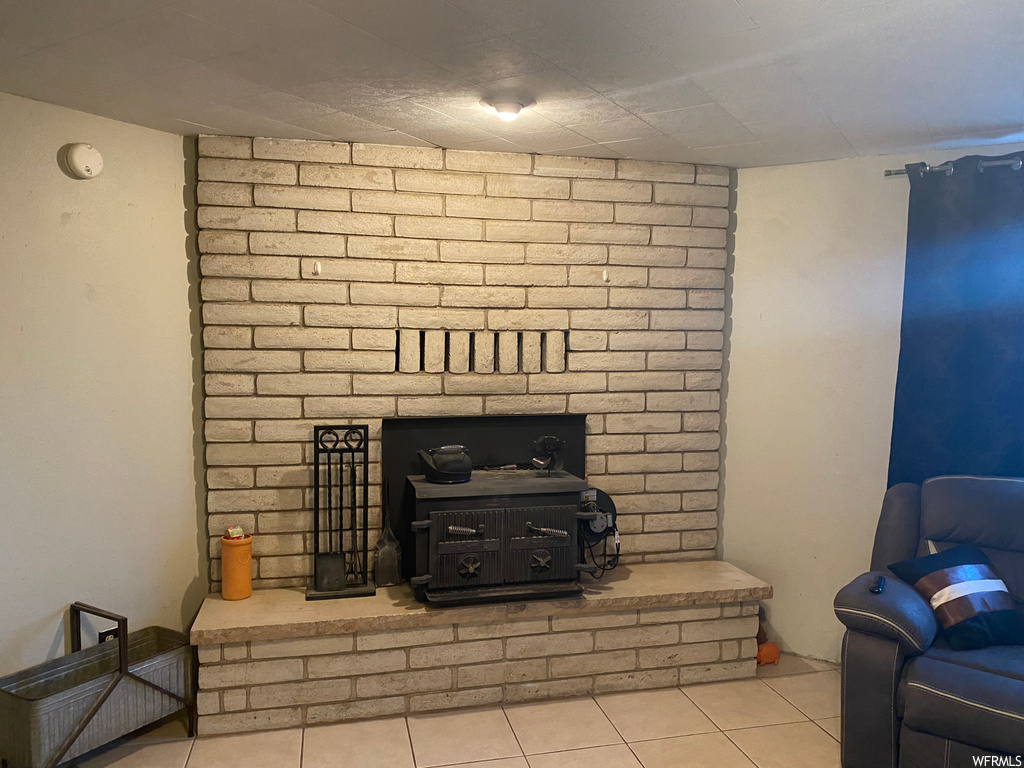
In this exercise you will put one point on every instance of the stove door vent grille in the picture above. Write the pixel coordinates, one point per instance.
(535, 556)
(464, 558)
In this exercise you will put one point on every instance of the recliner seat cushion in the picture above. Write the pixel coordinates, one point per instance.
(964, 704)
(1003, 660)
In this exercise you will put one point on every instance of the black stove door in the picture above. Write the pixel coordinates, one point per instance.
(465, 545)
(541, 544)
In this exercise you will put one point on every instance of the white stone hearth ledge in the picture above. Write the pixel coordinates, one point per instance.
(277, 661)
(276, 614)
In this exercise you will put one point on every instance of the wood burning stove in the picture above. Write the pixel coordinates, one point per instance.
(511, 531)
(506, 534)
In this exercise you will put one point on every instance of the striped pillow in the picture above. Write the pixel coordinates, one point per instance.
(970, 601)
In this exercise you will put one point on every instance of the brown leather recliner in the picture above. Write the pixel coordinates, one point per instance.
(908, 699)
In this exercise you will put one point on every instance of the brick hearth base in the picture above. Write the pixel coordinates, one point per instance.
(276, 661)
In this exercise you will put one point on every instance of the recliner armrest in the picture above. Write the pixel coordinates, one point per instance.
(898, 612)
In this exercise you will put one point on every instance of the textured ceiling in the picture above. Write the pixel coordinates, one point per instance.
(733, 82)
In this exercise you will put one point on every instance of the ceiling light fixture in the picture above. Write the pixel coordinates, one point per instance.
(505, 110)
(508, 110)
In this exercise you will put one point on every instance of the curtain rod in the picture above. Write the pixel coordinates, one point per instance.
(947, 168)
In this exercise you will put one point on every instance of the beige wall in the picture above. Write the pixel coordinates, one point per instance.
(97, 485)
(816, 296)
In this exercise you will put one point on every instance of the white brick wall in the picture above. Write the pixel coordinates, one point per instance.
(263, 684)
(530, 284)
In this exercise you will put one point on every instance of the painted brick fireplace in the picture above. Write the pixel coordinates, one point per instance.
(352, 283)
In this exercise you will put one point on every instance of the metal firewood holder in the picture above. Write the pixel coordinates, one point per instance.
(63, 708)
(341, 551)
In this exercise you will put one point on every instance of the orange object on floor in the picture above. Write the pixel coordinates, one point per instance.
(767, 653)
(236, 568)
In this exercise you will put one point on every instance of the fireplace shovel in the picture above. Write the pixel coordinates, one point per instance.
(387, 569)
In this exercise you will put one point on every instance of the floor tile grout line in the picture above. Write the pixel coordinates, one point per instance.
(578, 749)
(767, 725)
(767, 680)
(563, 751)
(743, 751)
(823, 728)
(188, 757)
(749, 757)
(571, 749)
(793, 703)
(698, 706)
(716, 729)
(636, 757)
(709, 717)
(412, 747)
(609, 719)
(679, 688)
(486, 759)
(514, 734)
(481, 762)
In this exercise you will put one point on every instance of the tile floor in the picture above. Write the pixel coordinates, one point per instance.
(786, 718)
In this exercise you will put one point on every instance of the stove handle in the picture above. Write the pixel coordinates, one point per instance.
(462, 530)
(547, 531)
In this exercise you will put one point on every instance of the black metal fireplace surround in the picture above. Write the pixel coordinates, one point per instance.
(508, 533)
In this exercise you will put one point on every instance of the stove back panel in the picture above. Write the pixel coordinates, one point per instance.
(492, 440)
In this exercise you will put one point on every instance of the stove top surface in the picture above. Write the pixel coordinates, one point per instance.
(500, 482)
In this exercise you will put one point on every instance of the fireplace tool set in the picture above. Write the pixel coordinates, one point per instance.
(341, 519)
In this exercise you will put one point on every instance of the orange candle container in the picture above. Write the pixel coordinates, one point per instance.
(236, 568)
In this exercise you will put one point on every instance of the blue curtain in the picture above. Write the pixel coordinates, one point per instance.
(959, 405)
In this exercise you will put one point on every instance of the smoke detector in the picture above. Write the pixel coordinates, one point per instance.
(84, 161)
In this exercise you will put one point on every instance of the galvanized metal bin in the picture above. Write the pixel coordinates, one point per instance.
(56, 711)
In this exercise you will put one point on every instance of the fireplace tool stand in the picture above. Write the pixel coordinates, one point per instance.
(341, 552)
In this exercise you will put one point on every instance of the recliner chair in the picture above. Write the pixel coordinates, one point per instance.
(908, 699)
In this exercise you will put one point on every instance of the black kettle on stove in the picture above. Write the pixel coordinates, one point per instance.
(447, 464)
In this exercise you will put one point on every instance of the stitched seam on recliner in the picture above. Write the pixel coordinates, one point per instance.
(842, 679)
(932, 480)
(894, 624)
(892, 704)
(910, 638)
(966, 701)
